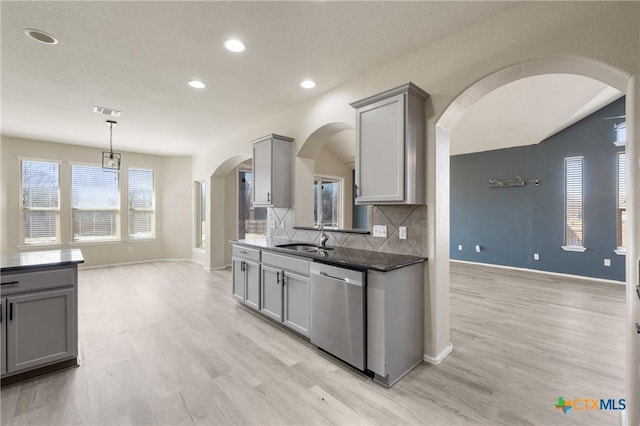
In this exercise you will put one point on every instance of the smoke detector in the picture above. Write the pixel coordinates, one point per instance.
(107, 111)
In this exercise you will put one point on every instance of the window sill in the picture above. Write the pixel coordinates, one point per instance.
(91, 243)
(620, 251)
(578, 249)
(142, 240)
(52, 246)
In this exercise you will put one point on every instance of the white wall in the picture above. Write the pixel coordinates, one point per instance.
(172, 177)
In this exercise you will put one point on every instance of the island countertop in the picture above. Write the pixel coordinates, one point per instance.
(38, 259)
(340, 256)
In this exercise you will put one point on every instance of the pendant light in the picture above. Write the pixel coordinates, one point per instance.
(111, 160)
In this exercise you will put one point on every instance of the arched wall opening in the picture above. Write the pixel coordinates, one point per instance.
(437, 327)
(223, 213)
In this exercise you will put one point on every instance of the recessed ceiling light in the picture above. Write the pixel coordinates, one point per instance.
(234, 45)
(40, 36)
(197, 84)
(308, 84)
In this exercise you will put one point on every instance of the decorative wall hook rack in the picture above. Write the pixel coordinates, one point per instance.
(506, 183)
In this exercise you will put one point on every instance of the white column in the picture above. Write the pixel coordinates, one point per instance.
(632, 338)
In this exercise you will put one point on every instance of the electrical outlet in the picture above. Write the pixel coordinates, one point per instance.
(273, 224)
(607, 262)
(402, 232)
(380, 231)
(459, 247)
(282, 225)
(477, 248)
(536, 256)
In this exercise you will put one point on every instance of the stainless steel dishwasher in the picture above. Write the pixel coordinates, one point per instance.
(338, 312)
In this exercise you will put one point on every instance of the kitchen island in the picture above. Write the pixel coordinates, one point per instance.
(39, 313)
(364, 307)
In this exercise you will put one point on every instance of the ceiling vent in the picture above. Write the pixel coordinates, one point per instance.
(107, 111)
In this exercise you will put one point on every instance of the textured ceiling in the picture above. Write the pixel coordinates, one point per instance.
(528, 111)
(138, 56)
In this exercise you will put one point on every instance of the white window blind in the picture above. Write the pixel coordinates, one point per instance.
(622, 200)
(40, 187)
(95, 203)
(573, 206)
(141, 204)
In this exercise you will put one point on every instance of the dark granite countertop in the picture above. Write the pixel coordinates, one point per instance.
(340, 256)
(37, 259)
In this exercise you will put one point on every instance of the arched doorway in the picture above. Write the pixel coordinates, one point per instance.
(437, 342)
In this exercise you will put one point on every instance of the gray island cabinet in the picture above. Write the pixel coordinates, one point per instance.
(39, 316)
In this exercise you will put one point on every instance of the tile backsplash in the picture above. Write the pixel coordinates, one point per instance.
(413, 217)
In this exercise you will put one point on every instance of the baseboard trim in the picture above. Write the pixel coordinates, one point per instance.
(137, 262)
(538, 271)
(219, 268)
(440, 357)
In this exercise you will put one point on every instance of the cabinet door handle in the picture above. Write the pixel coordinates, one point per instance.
(10, 311)
(268, 197)
(278, 277)
(11, 282)
(356, 188)
(284, 279)
(0, 313)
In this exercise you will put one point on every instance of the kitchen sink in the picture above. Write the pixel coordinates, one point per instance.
(303, 247)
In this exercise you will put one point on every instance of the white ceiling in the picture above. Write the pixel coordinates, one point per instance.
(138, 56)
(528, 111)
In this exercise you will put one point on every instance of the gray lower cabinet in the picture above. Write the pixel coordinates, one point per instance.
(3, 338)
(296, 302)
(395, 316)
(40, 329)
(245, 266)
(272, 292)
(285, 290)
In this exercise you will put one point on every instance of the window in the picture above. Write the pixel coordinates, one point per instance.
(142, 211)
(40, 187)
(621, 211)
(573, 200)
(252, 221)
(95, 204)
(201, 214)
(621, 133)
(326, 202)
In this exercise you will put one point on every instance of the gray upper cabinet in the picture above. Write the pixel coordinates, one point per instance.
(272, 171)
(390, 148)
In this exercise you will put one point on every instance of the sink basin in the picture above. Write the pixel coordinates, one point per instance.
(303, 247)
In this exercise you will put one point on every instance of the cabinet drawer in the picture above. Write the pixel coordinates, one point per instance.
(288, 263)
(21, 282)
(245, 253)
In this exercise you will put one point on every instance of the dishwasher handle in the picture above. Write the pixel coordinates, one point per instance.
(333, 277)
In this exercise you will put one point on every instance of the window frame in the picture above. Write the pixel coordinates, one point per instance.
(118, 210)
(58, 239)
(131, 209)
(573, 247)
(200, 198)
(621, 159)
(320, 178)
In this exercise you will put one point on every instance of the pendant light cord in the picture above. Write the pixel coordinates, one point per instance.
(111, 139)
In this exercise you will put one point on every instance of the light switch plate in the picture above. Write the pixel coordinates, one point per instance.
(380, 231)
(477, 248)
(459, 247)
(536, 256)
(402, 232)
(607, 262)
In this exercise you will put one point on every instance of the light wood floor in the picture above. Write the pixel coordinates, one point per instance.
(165, 344)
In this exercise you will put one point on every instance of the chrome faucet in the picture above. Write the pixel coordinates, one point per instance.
(323, 236)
